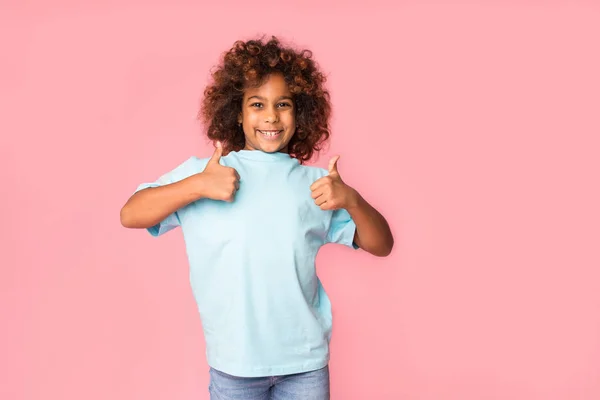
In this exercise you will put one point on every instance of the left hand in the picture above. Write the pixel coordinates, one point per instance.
(330, 192)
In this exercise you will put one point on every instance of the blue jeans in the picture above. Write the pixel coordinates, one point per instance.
(313, 385)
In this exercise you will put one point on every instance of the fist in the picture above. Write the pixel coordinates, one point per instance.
(219, 182)
(330, 192)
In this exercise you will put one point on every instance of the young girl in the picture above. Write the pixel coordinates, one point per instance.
(254, 217)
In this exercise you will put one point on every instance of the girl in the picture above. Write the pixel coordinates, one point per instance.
(254, 217)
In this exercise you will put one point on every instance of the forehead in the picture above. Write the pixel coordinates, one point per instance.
(273, 86)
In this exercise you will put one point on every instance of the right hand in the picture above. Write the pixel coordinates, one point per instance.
(219, 182)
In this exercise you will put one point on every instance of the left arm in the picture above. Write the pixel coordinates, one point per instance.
(372, 230)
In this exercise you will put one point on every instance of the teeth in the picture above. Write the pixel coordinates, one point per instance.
(269, 133)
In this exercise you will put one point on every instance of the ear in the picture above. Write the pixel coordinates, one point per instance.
(239, 118)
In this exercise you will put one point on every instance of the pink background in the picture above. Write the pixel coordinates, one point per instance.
(474, 127)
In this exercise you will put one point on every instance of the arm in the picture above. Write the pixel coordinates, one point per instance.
(150, 206)
(372, 230)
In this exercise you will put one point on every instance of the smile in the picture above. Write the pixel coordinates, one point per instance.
(270, 134)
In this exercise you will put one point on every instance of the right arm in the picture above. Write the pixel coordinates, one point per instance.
(150, 206)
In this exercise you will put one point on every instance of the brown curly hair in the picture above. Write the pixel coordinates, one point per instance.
(249, 64)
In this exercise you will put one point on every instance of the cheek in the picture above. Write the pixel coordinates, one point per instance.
(250, 120)
(290, 120)
(248, 125)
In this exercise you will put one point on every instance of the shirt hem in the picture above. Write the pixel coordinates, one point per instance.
(242, 372)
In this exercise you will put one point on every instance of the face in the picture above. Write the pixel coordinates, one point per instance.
(268, 116)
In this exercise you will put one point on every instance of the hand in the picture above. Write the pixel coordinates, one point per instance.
(330, 192)
(219, 182)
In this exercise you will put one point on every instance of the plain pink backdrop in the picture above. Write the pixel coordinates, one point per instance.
(474, 127)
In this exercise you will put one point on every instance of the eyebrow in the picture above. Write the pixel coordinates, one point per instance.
(263, 99)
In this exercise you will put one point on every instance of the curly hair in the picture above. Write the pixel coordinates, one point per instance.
(249, 64)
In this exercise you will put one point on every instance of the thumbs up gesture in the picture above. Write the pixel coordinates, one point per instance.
(219, 182)
(330, 192)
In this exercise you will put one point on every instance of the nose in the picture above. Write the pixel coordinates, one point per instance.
(271, 116)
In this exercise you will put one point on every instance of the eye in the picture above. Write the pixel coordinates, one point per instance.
(284, 105)
(256, 105)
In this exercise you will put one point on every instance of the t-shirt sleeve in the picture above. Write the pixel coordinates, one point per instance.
(184, 170)
(342, 229)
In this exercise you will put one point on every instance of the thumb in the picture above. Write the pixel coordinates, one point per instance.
(333, 166)
(214, 159)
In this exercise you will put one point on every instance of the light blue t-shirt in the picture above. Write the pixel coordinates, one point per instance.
(252, 264)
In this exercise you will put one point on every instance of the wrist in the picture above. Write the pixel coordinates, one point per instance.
(195, 186)
(353, 200)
